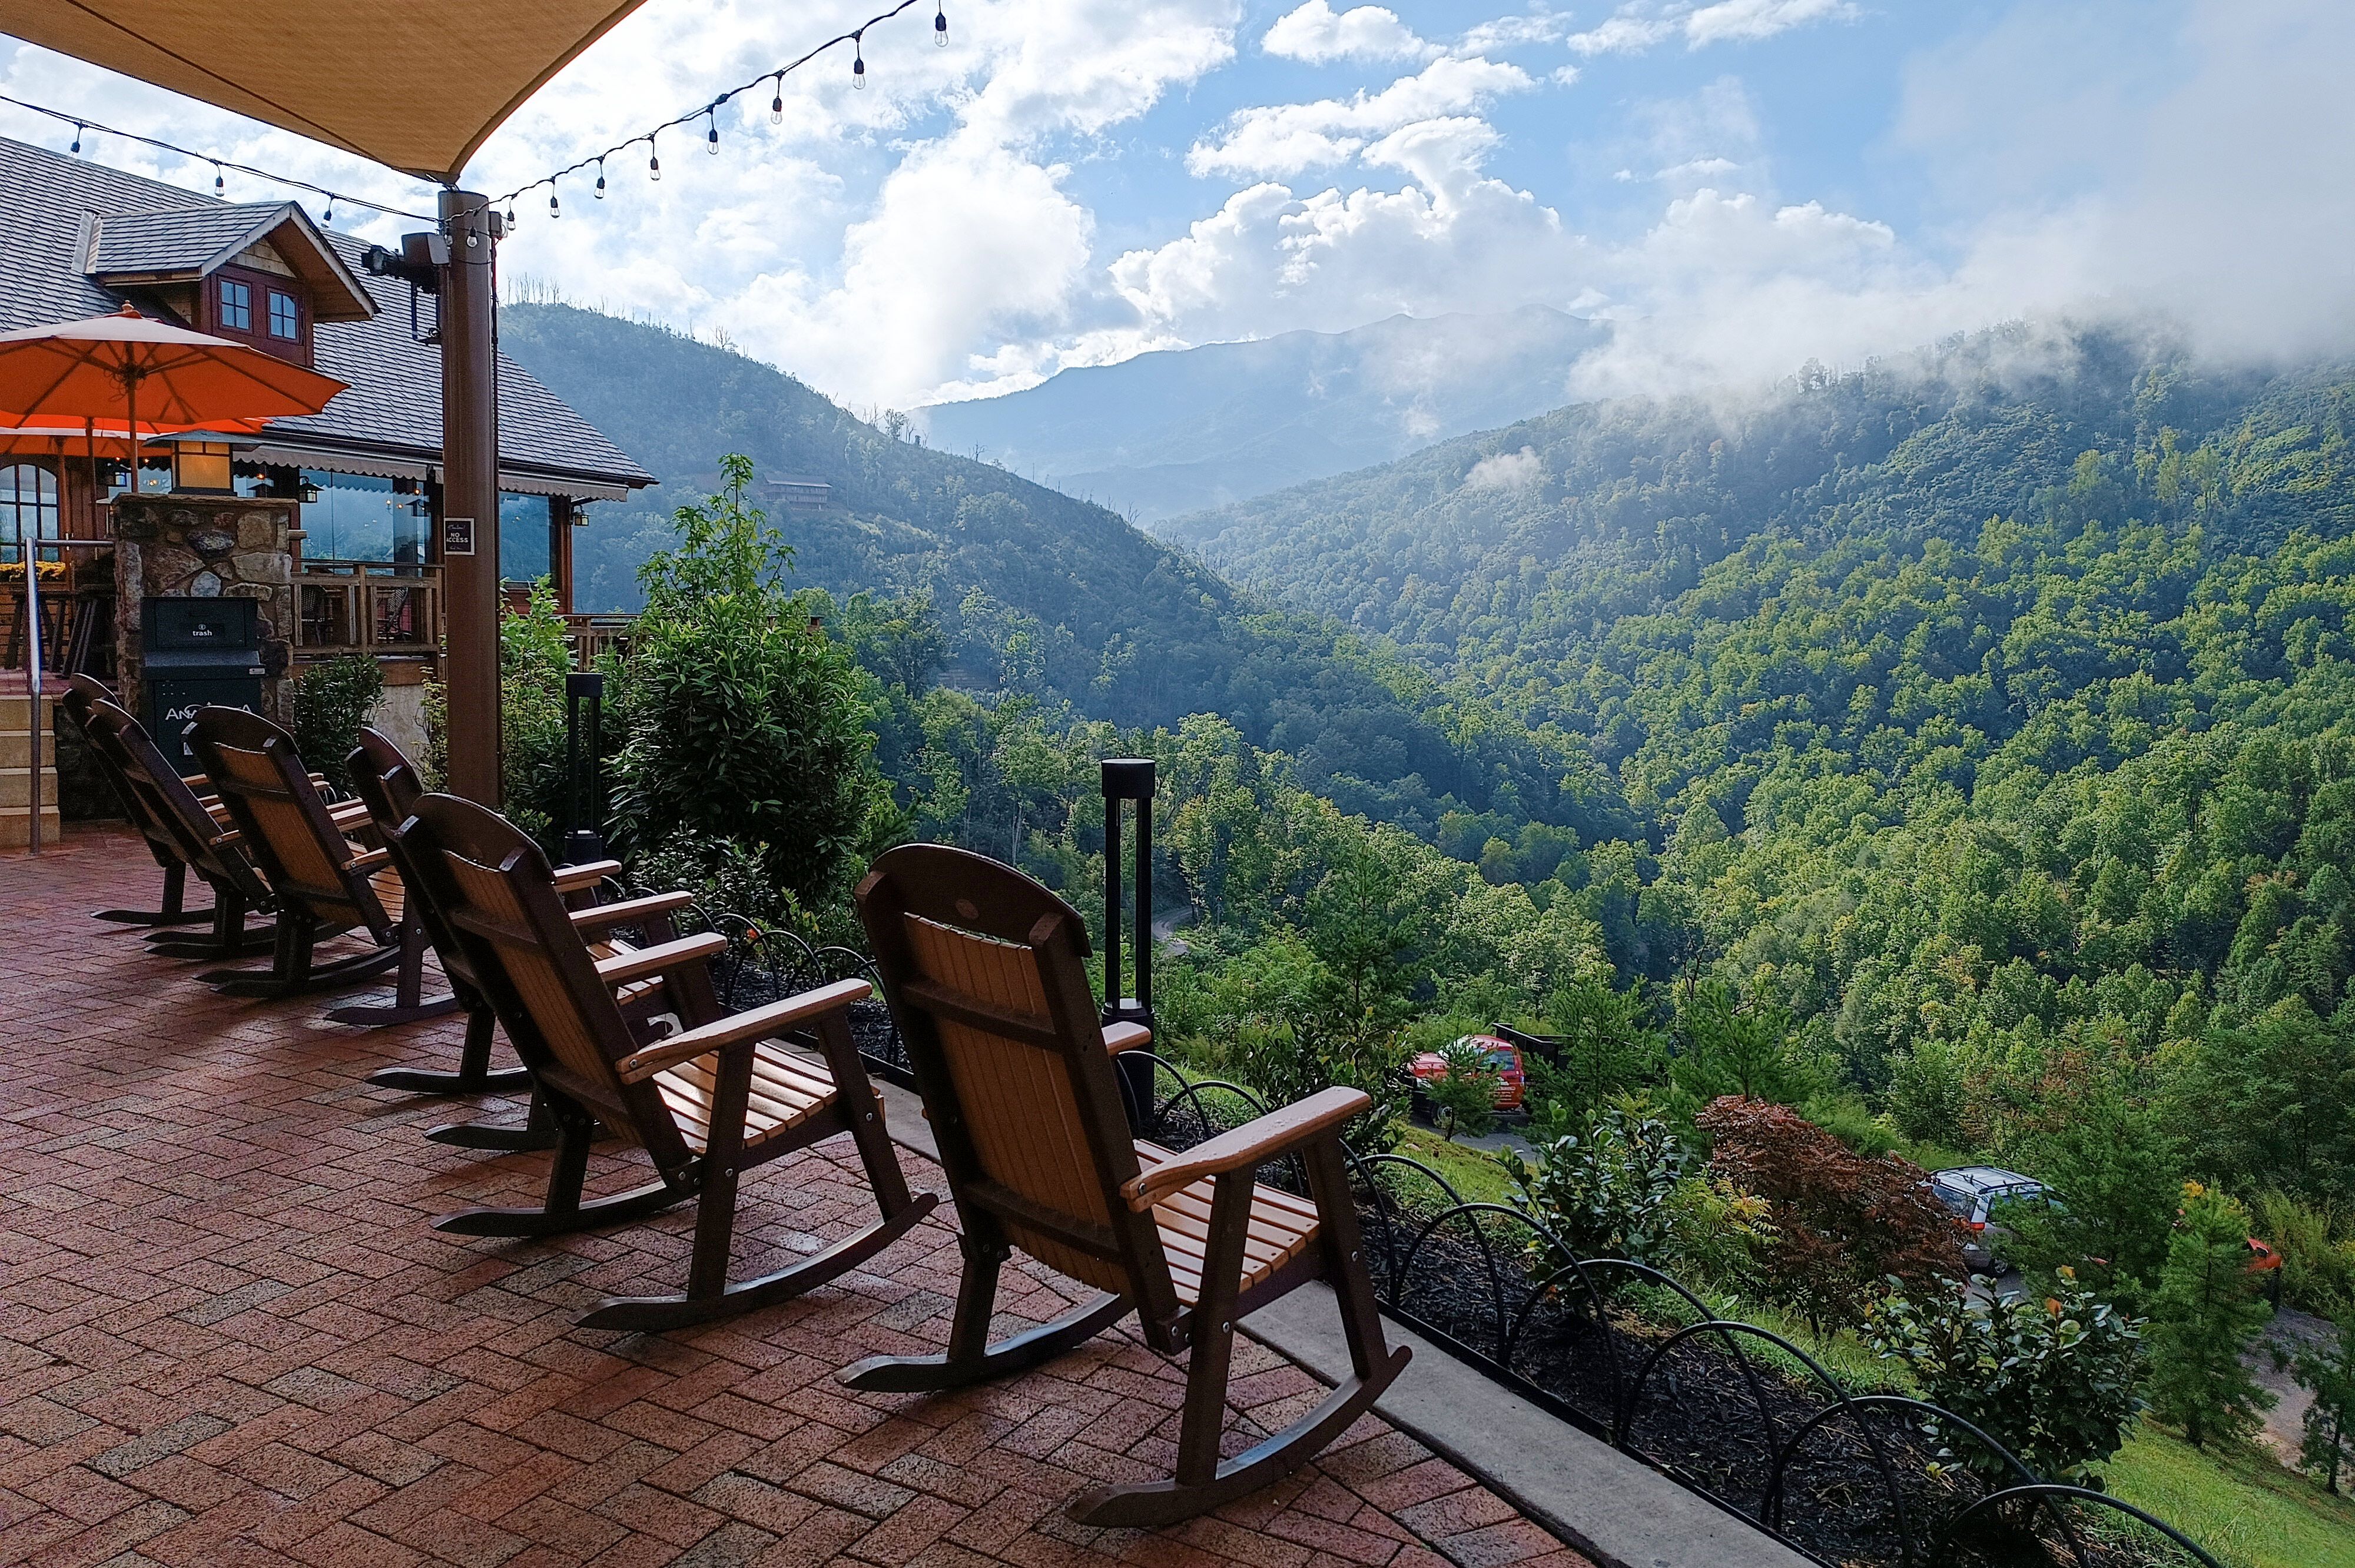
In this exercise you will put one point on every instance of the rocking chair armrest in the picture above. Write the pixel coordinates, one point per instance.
(225, 839)
(755, 1024)
(588, 873)
(1254, 1143)
(603, 917)
(374, 860)
(623, 968)
(1119, 1037)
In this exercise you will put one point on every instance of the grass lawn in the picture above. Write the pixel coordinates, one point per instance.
(1474, 1173)
(2246, 1509)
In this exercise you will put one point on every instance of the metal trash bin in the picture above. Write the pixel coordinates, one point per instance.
(197, 653)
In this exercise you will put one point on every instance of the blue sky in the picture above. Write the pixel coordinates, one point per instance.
(1737, 185)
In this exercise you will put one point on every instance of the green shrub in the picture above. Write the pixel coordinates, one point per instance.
(2206, 1313)
(1627, 1187)
(534, 658)
(740, 721)
(2051, 1380)
(1463, 1097)
(725, 877)
(2317, 1256)
(332, 700)
(2327, 1372)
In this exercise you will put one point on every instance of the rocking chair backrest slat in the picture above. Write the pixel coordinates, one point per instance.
(986, 970)
(81, 693)
(168, 800)
(269, 794)
(387, 783)
(493, 885)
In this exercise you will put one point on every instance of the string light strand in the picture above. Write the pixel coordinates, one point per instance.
(83, 123)
(775, 76)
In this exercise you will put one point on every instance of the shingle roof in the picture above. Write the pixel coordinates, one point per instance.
(176, 238)
(394, 406)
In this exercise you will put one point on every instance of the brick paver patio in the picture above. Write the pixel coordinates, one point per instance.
(227, 1335)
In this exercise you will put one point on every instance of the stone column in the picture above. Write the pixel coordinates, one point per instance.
(207, 547)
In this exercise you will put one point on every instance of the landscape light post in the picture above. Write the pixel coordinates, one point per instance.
(584, 799)
(1129, 778)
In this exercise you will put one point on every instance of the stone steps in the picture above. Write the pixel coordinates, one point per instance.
(15, 764)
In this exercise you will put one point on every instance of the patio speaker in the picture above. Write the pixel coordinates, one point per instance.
(584, 749)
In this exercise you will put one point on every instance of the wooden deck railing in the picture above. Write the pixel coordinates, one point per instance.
(367, 607)
(595, 635)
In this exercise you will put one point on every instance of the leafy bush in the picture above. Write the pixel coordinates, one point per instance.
(1925, 1092)
(1746, 1052)
(2051, 1380)
(1628, 1189)
(2113, 1170)
(1463, 1097)
(332, 700)
(2327, 1372)
(741, 721)
(725, 877)
(1844, 1224)
(2207, 1312)
(1608, 1048)
(534, 658)
(2317, 1256)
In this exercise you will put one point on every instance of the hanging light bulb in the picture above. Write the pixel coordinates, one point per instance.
(858, 61)
(220, 186)
(511, 212)
(601, 179)
(553, 210)
(777, 103)
(941, 26)
(76, 146)
(654, 161)
(330, 217)
(711, 138)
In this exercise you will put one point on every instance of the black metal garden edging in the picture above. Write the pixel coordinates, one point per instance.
(1766, 1432)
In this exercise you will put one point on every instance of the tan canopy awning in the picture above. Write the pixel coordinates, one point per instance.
(415, 84)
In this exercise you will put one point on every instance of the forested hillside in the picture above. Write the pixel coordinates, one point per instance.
(1037, 595)
(1994, 713)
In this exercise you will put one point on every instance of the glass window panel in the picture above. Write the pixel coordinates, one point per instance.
(235, 305)
(358, 517)
(28, 509)
(285, 315)
(523, 537)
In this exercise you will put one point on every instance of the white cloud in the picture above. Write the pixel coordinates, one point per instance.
(1317, 34)
(1639, 27)
(1506, 471)
(1747, 21)
(1292, 138)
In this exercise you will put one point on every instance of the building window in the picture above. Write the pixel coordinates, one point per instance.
(523, 537)
(235, 305)
(28, 508)
(358, 517)
(285, 315)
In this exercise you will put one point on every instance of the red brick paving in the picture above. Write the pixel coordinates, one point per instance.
(227, 1335)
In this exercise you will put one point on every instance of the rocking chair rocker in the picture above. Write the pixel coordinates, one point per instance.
(706, 1104)
(81, 691)
(984, 971)
(175, 820)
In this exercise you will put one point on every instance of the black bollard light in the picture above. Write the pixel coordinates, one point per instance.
(1130, 779)
(584, 799)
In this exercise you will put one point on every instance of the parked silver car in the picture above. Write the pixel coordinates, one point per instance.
(1971, 1191)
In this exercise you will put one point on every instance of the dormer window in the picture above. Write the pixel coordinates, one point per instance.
(285, 315)
(235, 305)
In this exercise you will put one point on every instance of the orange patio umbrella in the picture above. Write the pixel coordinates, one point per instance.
(96, 370)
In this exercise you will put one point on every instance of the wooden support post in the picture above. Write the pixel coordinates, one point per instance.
(469, 497)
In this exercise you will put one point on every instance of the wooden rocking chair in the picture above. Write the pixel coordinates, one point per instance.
(324, 884)
(191, 827)
(81, 691)
(385, 780)
(706, 1104)
(985, 970)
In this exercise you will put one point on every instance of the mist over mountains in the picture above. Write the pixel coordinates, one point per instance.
(1176, 432)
